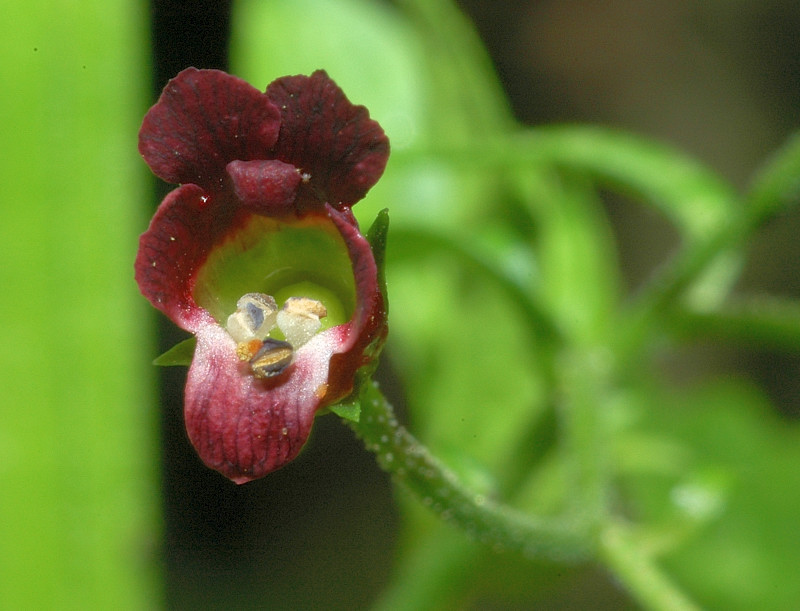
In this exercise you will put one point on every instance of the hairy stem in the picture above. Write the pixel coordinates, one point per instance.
(492, 523)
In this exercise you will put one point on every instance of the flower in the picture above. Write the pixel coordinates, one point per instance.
(258, 254)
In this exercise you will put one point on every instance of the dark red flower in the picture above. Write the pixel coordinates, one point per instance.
(258, 254)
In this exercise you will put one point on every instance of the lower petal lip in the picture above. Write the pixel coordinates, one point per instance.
(243, 426)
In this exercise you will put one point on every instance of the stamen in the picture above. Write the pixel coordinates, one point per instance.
(272, 359)
(254, 317)
(299, 319)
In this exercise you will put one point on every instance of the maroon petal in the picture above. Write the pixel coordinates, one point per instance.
(268, 188)
(243, 426)
(203, 120)
(369, 319)
(242, 162)
(335, 143)
(182, 233)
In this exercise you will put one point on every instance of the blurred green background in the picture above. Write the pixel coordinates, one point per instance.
(104, 503)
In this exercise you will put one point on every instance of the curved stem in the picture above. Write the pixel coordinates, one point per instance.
(681, 188)
(504, 528)
(414, 467)
(667, 286)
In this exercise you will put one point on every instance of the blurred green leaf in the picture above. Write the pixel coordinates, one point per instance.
(468, 101)
(79, 519)
(736, 493)
(376, 63)
(777, 184)
(693, 197)
(578, 277)
(509, 272)
(704, 208)
(471, 378)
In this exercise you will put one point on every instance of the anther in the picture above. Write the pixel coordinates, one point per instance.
(272, 359)
(254, 317)
(299, 319)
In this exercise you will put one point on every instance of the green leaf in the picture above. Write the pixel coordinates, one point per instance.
(469, 99)
(180, 354)
(465, 354)
(578, 273)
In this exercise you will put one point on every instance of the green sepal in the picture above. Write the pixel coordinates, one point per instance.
(376, 236)
(349, 409)
(180, 354)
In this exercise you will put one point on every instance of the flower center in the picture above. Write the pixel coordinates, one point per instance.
(305, 257)
(256, 322)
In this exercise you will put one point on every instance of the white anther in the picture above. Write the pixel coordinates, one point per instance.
(254, 317)
(299, 319)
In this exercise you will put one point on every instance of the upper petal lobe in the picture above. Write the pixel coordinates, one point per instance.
(325, 136)
(203, 120)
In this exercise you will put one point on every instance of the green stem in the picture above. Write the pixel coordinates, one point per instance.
(777, 184)
(502, 527)
(582, 387)
(776, 188)
(666, 286)
(762, 321)
(439, 489)
(636, 570)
